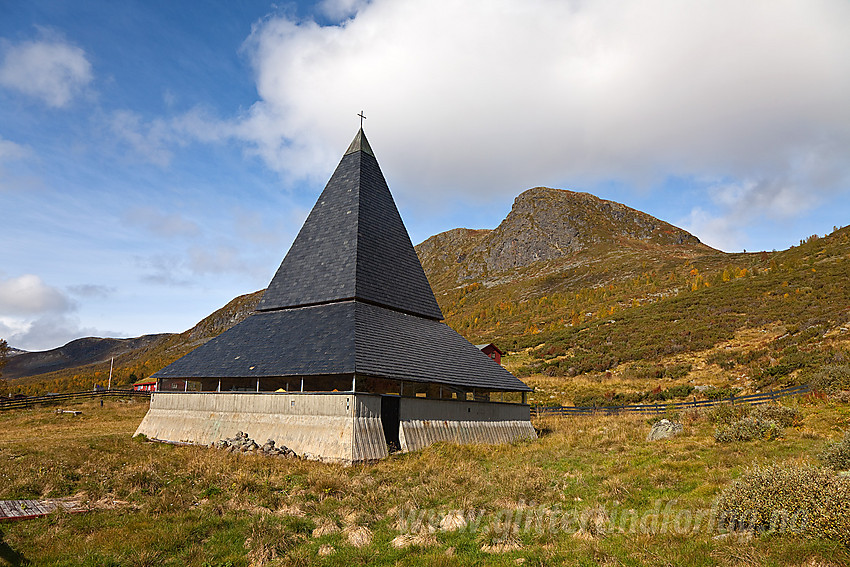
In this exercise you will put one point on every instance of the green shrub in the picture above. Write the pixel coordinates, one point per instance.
(675, 371)
(646, 371)
(783, 415)
(725, 414)
(748, 429)
(679, 391)
(837, 455)
(832, 378)
(803, 499)
(725, 359)
(713, 393)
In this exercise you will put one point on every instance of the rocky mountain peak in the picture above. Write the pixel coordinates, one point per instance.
(546, 224)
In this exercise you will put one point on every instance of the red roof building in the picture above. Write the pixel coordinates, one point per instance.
(492, 351)
(145, 385)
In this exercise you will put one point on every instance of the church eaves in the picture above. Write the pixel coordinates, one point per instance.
(353, 245)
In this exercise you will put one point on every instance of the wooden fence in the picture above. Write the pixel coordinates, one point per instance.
(536, 411)
(8, 403)
(661, 407)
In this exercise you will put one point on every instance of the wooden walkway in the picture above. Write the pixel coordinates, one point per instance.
(11, 510)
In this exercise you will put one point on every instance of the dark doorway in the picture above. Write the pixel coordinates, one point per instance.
(389, 419)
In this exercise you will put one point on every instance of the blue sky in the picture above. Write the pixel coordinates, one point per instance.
(158, 158)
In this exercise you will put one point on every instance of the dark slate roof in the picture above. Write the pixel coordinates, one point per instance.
(353, 245)
(344, 338)
(349, 298)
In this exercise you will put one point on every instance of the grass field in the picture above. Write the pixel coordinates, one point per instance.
(582, 494)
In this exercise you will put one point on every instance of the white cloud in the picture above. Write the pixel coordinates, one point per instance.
(151, 140)
(494, 96)
(717, 231)
(49, 69)
(188, 267)
(47, 332)
(37, 316)
(29, 295)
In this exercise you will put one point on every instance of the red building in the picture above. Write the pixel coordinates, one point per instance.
(145, 385)
(492, 351)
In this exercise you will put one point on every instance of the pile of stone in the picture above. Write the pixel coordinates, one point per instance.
(244, 444)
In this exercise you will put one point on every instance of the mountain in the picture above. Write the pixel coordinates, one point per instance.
(83, 362)
(548, 224)
(581, 285)
(90, 350)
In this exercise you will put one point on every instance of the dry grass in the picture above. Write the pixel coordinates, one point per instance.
(194, 506)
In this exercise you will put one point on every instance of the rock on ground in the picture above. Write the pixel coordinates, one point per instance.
(664, 429)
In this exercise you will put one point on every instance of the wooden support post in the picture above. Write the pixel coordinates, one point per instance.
(353, 383)
(258, 384)
(525, 397)
(302, 384)
(218, 389)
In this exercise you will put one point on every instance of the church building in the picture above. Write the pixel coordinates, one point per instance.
(325, 365)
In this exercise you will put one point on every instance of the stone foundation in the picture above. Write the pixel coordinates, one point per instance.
(340, 427)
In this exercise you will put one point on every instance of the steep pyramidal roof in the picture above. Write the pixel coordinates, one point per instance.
(344, 338)
(353, 245)
(349, 298)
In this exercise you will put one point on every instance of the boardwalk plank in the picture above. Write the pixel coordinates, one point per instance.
(26, 509)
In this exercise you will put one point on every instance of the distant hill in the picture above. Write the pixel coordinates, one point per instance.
(83, 362)
(90, 350)
(589, 284)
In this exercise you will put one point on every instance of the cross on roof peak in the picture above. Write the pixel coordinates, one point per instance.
(362, 118)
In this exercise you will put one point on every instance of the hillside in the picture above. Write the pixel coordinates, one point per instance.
(147, 355)
(579, 286)
(89, 350)
(578, 256)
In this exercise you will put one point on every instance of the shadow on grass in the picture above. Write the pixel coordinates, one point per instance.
(543, 431)
(9, 556)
